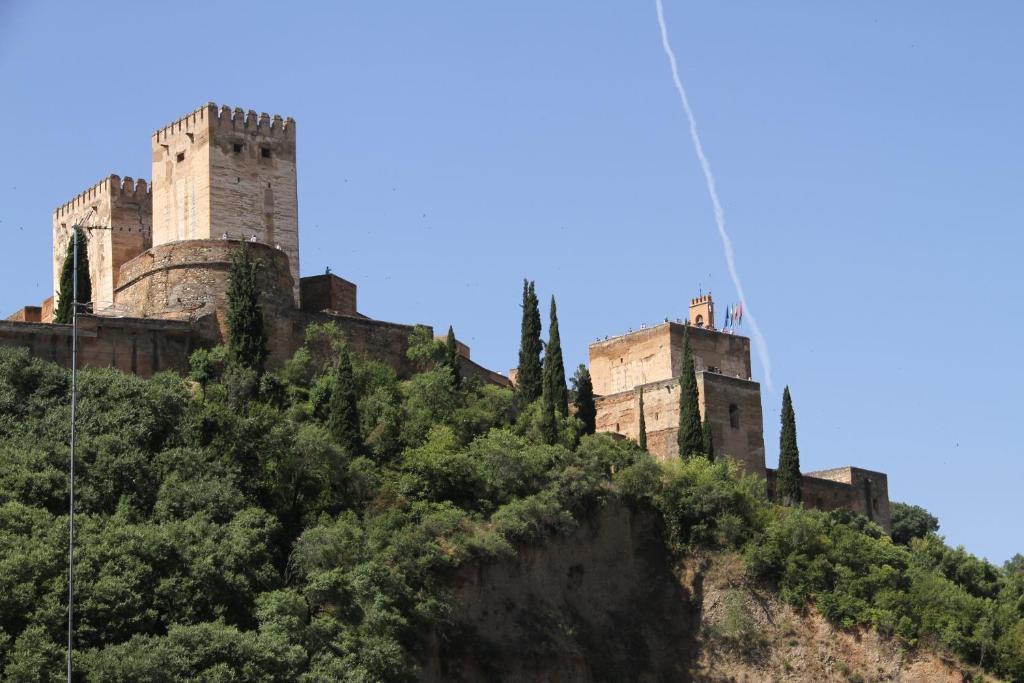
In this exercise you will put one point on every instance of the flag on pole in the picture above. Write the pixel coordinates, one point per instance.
(728, 316)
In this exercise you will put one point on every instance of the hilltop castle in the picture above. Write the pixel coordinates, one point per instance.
(651, 359)
(159, 257)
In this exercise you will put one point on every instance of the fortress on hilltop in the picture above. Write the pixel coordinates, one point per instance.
(160, 254)
(651, 359)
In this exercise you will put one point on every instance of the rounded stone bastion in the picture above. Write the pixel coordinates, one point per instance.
(188, 280)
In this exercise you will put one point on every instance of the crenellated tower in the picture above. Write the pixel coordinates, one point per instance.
(227, 173)
(116, 215)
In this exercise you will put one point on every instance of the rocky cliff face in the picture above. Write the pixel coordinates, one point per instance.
(607, 603)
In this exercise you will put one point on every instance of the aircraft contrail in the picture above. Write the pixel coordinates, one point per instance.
(759, 342)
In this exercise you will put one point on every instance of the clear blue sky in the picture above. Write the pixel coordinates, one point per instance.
(868, 155)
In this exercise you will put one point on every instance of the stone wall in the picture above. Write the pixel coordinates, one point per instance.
(228, 172)
(655, 354)
(189, 281)
(139, 347)
(328, 293)
(717, 395)
(29, 314)
(845, 488)
(116, 215)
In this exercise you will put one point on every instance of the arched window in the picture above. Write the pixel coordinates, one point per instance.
(700, 321)
(734, 416)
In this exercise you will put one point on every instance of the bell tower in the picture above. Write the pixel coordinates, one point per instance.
(702, 312)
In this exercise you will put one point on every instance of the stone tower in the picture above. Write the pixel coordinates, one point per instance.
(702, 312)
(116, 217)
(227, 173)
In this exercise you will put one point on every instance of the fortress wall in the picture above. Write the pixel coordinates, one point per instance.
(618, 413)
(189, 281)
(328, 293)
(140, 347)
(726, 354)
(655, 354)
(116, 215)
(377, 339)
(728, 401)
(846, 488)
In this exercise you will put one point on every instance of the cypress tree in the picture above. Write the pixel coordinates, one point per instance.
(529, 383)
(247, 339)
(788, 480)
(554, 366)
(66, 294)
(451, 357)
(586, 409)
(691, 435)
(709, 441)
(548, 420)
(343, 419)
(642, 439)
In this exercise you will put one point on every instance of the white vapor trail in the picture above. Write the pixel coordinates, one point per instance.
(759, 342)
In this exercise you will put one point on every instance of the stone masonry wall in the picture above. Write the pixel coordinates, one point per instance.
(328, 293)
(845, 488)
(116, 215)
(139, 347)
(716, 395)
(656, 354)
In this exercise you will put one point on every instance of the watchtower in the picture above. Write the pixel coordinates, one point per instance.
(227, 174)
(702, 312)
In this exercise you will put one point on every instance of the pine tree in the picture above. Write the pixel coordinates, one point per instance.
(66, 294)
(642, 439)
(554, 367)
(343, 419)
(788, 480)
(451, 357)
(691, 435)
(247, 339)
(586, 409)
(709, 440)
(530, 380)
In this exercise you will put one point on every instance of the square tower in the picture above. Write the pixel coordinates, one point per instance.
(116, 217)
(226, 172)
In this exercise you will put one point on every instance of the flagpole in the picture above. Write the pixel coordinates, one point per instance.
(74, 410)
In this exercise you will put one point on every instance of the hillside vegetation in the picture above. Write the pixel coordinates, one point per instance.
(311, 524)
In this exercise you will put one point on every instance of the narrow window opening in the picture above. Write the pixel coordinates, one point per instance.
(734, 416)
(265, 152)
(238, 147)
(181, 156)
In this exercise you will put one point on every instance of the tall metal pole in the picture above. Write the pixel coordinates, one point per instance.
(74, 408)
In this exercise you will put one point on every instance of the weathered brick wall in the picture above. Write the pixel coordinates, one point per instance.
(716, 395)
(140, 347)
(227, 171)
(121, 222)
(29, 314)
(328, 293)
(733, 407)
(845, 488)
(656, 354)
(189, 281)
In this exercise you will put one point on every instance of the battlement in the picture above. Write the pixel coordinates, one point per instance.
(226, 118)
(111, 186)
(703, 299)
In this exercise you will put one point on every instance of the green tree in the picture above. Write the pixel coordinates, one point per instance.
(451, 357)
(554, 366)
(530, 380)
(910, 522)
(586, 409)
(343, 419)
(789, 480)
(548, 417)
(709, 440)
(642, 439)
(66, 292)
(247, 338)
(691, 436)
